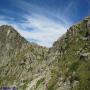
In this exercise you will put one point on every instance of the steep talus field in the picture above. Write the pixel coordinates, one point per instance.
(65, 66)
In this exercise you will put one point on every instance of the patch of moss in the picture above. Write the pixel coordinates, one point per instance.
(73, 66)
(39, 82)
(25, 84)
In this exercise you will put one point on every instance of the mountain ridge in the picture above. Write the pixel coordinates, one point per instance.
(64, 66)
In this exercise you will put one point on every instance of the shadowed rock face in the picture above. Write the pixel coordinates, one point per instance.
(65, 66)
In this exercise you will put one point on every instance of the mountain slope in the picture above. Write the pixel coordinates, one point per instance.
(72, 56)
(65, 66)
(19, 59)
(10, 43)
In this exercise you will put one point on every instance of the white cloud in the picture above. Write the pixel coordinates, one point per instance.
(45, 30)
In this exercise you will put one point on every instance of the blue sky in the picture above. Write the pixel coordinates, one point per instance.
(43, 21)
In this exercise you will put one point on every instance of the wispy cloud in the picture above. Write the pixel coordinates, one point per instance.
(45, 31)
(39, 25)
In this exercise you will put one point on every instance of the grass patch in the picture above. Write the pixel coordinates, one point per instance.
(39, 82)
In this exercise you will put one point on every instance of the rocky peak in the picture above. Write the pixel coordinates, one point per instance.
(87, 18)
(7, 30)
(11, 43)
(9, 36)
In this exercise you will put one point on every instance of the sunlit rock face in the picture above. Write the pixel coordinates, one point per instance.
(27, 66)
(10, 43)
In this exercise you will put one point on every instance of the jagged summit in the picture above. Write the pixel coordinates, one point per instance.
(10, 37)
(9, 32)
(87, 18)
(7, 29)
(83, 26)
(10, 43)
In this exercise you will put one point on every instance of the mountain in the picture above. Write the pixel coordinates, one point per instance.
(64, 66)
(19, 60)
(71, 55)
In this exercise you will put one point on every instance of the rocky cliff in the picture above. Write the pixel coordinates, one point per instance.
(65, 66)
